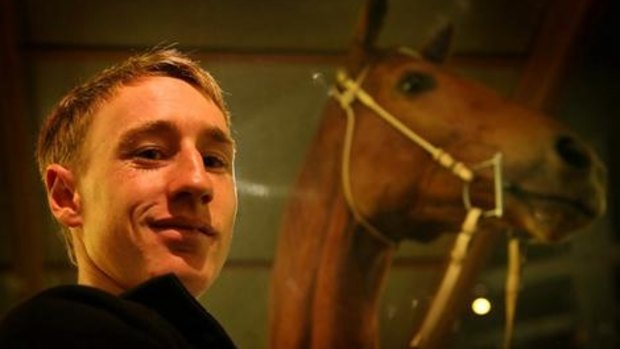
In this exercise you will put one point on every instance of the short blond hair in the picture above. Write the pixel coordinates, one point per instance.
(63, 133)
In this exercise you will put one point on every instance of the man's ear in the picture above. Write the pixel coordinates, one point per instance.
(63, 198)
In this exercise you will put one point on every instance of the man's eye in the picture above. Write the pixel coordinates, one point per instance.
(214, 162)
(150, 154)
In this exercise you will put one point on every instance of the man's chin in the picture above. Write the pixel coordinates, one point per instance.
(195, 280)
(194, 285)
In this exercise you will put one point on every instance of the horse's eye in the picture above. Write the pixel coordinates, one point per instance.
(414, 82)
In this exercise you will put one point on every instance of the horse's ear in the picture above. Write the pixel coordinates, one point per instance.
(368, 26)
(438, 48)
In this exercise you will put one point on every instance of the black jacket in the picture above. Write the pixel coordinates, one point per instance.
(157, 314)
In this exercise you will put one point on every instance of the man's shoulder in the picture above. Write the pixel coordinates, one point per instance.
(67, 299)
(80, 316)
(70, 303)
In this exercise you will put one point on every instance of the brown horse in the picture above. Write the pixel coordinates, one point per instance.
(329, 270)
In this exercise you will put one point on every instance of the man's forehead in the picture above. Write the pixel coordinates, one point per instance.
(155, 104)
(161, 96)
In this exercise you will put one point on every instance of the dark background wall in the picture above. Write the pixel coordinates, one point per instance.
(265, 55)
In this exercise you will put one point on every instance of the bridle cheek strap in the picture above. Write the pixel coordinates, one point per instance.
(345, 99)
(352, 91)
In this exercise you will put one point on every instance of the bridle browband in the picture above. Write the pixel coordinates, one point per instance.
(348, 91)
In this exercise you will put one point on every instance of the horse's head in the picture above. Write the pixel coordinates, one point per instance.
(553, 183)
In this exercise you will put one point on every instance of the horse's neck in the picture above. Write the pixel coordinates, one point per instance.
(348, 285)
(328, 274)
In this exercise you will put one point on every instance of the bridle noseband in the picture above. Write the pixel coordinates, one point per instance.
(349, 91)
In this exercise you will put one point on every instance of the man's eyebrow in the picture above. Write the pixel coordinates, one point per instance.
(219, 136)
(154, 127)
(168, 128)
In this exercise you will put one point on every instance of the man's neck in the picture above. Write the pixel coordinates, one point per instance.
(89, 274)
(98, 279)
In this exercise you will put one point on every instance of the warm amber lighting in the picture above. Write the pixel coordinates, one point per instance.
(481, 306)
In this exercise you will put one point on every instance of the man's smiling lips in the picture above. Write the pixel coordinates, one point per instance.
(182, 224)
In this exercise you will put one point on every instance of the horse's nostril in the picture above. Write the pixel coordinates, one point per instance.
(573, 152)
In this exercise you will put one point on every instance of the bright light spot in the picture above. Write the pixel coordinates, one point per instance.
(481, 306)
(253, 189)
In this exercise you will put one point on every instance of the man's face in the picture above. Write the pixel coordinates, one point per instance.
(158, 189)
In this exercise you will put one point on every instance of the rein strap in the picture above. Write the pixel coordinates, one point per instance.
(450, 279)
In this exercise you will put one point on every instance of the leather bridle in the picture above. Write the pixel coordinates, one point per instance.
(346, 92)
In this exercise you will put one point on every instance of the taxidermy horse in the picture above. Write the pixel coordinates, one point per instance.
(365, 186)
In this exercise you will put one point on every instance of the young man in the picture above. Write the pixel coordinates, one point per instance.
(138, 168)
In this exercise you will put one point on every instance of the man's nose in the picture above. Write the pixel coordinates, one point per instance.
(190, 180)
